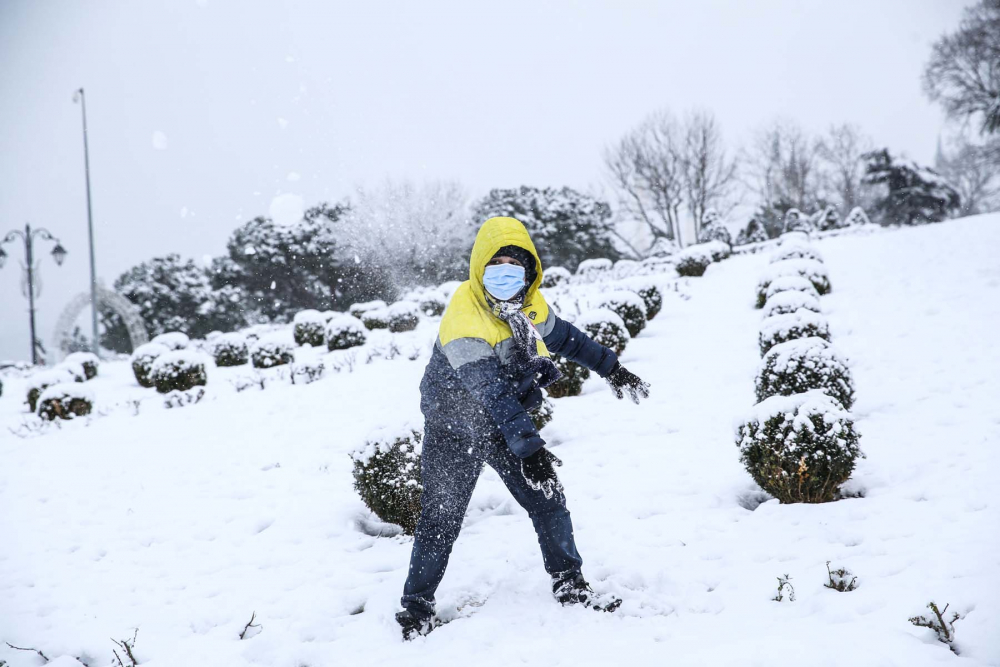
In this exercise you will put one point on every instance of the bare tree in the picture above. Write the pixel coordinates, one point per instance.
(964, 70)
(972, 170)
(783, 167)
(841, 151)
(646, 169)
(709, 175)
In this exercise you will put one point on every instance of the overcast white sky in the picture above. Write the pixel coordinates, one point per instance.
(199, 111)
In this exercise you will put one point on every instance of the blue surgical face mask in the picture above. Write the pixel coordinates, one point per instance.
(503, 280)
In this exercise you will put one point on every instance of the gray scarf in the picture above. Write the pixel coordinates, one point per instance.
(524, 354)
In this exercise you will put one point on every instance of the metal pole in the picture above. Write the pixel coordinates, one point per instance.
(90, 227)
(31, 291)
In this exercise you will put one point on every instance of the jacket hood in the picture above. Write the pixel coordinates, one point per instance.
(493, 235)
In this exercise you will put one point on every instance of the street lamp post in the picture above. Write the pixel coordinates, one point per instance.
(79, 96)
(58, 254)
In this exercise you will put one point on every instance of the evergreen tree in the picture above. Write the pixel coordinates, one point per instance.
(913, 195)
(566, 226)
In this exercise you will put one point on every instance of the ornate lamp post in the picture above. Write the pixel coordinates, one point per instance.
(78, 96)
(58, 253)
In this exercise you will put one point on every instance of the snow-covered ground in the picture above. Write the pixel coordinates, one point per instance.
(184, 522)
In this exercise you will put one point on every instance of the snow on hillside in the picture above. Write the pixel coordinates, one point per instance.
(184, 522)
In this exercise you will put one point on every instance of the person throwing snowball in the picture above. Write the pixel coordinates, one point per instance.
(489, 365)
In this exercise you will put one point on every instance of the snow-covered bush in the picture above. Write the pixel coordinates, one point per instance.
(542, 415)
(783, 328)
(796, 221)
(433, 304)
(230, 349)
(591, 270)
(329, 315)
(803, 364)
(571, 382)
(307, 327)
(307, 371)
(796, 251)
(626, 268)
(627, 305)
(808, 269)
(345, 331)
(663, 247)
(274, 349)
(857, 217)
(179, 370)
(387, 475)
(74, 369)
(88, 360)
(650, 294)
(784, 284)
(813, 271)
(656, 265)
(403, 316)
(606, 327)
(554, 276)
(789, 301)
(754, 232)
(173, 340)
(828, 220)
(359, 309)
(718, 250)
(693, 260)
(799, 448)
(713, 229)
(180, 399)
(142, 361)
(377, 318)
(65, 401)
(42, 380)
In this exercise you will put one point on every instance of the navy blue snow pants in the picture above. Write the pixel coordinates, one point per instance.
(451, 462)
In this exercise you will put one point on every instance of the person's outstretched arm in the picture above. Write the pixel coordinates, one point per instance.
(566, 340)
(479, 369)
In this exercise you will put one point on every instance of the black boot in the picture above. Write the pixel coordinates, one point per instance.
(413, 625)
(571, 588)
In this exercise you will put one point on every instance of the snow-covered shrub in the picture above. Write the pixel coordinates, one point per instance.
(626, 268)
(789, 301)
(766, 290)
(829, 219)
(713, 229)
(808, 269)
(377, 318)
(606, 327)
(403, 316)
(358, 309)
(796, 251)
(307, 371)
(274, 349)
(307, 327)
(939, 622)
(142, 361)
(783, 328)
(571, 382)
(796, 221)
(387, 476)
(591, 270)
(841, 579)
(433, 304)
(857, 217)
(65, 401)
(801, 365)
(88, 360)
(73, 369)
(754, 232)
(693, 260)
(179, 399)
(343, 332)
(663, 247)
(179, 370)
(718, 250)
(799, 448)
(542, 415)
(230, 349)
(629, 306)
(42, 380)
(650, 294)
(173, 340)
(554, 276)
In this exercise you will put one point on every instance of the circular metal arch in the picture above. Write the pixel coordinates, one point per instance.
(107, 299)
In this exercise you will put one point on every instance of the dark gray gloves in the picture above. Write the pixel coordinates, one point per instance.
(540, 473)
(621, 381)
